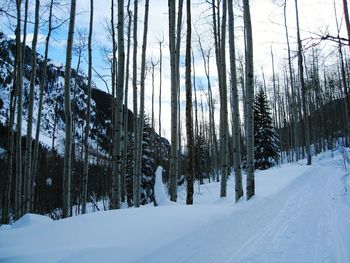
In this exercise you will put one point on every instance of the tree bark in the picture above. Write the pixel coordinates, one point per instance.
(125, 118)
(67, 169)
(223, 104)
(88, 114)
(118, 129)
(303, 88)
(142, 104)
(28, 152)
(135, 110)
(19, 88)
(174, 128)
(235, 107)
(249, 100)
(189, 122)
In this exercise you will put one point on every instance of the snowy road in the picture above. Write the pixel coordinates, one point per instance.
(299, 214)
(307, 222)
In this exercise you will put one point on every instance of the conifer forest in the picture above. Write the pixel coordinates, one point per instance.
(174, 131)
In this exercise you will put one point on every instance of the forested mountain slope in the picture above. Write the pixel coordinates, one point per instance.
(52, 130)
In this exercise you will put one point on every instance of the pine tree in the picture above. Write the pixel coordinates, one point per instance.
(265, 138)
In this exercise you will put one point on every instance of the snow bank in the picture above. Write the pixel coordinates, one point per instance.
(29, 220)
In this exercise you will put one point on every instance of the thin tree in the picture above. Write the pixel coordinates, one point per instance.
(235, 106)
(174, 114)
(118, 128)
(303, 88)
(249, 80)
(19, 88)
(189, 121)
(223, 103)
(88, 113)
(142, 103)
(67, 169)
(43, 83)
(160, 88)
(28, 152)
(125, 118)
(292, 87)
(136, 189)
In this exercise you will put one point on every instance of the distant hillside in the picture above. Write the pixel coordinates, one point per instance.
(53, 124)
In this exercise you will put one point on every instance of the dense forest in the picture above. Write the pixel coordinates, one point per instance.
(65, 141)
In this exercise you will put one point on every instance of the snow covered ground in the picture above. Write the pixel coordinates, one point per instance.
(299, 214)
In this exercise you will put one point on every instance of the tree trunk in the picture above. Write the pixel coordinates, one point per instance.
(303, 89)
(235, 107)
(118, 128)
(141, 115)
(189, 122)
(67, 169)
(174, 128)
(28, 151)
(41, 95)
(88, 114)
(160, 88)
(347, 21)
(292, 86)
(125, 118)
(19, 80)
(249, 100)
(223, 104)
(135, 110)
(6, 201)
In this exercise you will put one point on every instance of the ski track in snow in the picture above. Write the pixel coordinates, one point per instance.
(300, 214)
(307, 222)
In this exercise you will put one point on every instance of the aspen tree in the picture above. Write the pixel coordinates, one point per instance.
(303, 88)
(67, 169)
(142, 106)
(249, 80)
(118, 128)
(189, 122)
(43, 83)
(28, 150)
(125, 118)
(88, 113)
(235, 106)
(19, 90)
(174, 114)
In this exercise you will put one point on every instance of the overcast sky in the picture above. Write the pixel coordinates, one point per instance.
(316, 17)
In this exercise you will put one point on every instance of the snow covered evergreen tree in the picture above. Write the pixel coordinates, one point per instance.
(265, 138)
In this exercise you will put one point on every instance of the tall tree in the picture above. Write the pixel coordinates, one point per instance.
(136, 188)
(19, 88)
(125, 118)
(189, 121)
(223, 103)
(160, 88)
(88, 113)
(292, 87)
(303, 88)
(67, 169)
(235, 106)
(43, 82)
(28, 151)
(118, 128)
(174, 98)
(142, 104)
(249, 80)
